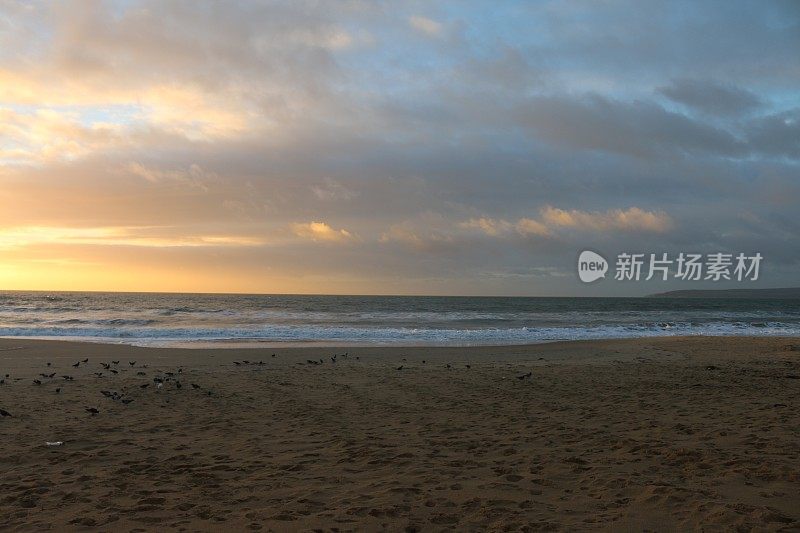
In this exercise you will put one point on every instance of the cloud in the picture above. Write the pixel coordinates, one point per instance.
(711, 97)
(527, 226)
(489, 226)
(16, 237)
(551, 219)
(632, 219)
(639, 129)
(322, 232)
(331, 190)
(425, 25)
(487, 138)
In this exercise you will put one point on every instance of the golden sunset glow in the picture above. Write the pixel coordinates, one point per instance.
(272, 147)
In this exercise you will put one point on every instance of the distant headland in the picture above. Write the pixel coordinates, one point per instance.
(784, 293)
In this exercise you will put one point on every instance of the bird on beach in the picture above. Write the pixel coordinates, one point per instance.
(48, 364)
(178, 385)
(273, 355)
(37, 382)
(105, 365)
(85, 360)
(523, 376)
(67, 378)
(4, 413)
(195, 386)
(144, 386)
(400, 367)
(448, 365)
(469, 366)
(92, 410)
(132, 363)
(98, 374)
(126, 401)
(2, 381)
(58, 390)
(76, 365)
(237, 363)
(115, 362)
(115, 372)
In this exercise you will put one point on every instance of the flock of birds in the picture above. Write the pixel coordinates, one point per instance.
(113, 368)
(164, 378)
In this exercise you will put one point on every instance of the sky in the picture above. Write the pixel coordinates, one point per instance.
(375, 147)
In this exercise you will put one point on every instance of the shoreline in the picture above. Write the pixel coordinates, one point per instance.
(7, 343)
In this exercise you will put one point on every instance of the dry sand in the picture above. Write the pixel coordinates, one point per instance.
(650, 434)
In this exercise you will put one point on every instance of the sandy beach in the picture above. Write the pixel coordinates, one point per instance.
(643, 435)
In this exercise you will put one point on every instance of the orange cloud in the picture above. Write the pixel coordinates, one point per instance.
(632, 219)
(321, 232)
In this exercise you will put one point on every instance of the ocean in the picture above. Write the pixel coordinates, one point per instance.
(206, 320)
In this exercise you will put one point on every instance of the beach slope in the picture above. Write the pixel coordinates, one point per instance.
(658, 434)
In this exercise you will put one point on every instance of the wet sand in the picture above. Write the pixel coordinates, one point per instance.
(649, 434)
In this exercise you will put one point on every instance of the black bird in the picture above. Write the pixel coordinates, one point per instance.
(67, 378)
(237, 363)
(273, 355)
(423, 361)
(106, 393)
(105, 365)
(126, 401)
(523, 376)
(178, 385)
(246, 362)
(333, 359)
(115, 372)
(310, 362)
(76, 365)
(48, 364)
(400, 367)
(51, 376)
(98, 374)
(85, 360)
(141, 374)
(3, 412)
(132, 363)
(92, 410)
(37, 382)
(469, 366)
(195, 386)
(2, 381)
(144, 386)
(448, 365)
(358, 358)
(115, 362)
(58, 390)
